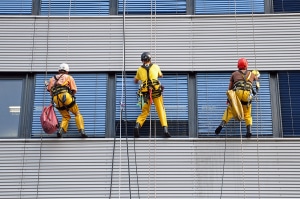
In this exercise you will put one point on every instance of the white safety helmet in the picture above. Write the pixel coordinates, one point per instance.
(64, 67)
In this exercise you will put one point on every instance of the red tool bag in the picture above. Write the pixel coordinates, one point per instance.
(49, 120)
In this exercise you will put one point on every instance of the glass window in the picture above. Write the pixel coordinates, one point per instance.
(75, 7)
(290, 102)
(175, 97)
(285, 6)
(15, 7)
(10, 107)
(228, 7)
(212, 102)
(156, 7)
(91, 100)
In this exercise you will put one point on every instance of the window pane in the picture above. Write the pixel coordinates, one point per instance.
(148, 7)
(175, 97)
(15, 7)
(286, 6)
(75, 7)
(212, 104)
(10, 101)
(228, 7)
(290, 102)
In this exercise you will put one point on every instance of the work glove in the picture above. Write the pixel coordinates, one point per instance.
(162, 88)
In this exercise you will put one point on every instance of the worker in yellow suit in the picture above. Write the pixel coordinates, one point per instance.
(150, 90)
(62, 88)
(241, 82)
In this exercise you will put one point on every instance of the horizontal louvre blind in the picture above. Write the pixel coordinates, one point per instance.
(91, 100)
(175, 100)
(155, 6)
(15, 7)
(286, 6)
(211, 92)
(229, 7)
(75, 7)
(290, 102)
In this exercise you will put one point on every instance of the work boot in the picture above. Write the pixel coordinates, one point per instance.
(59, 132)
(83, 134)
(220, 127)
(248, 134)
(136, 132)
(166, 132)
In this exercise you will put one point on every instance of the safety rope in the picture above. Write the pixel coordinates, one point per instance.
(242, 149)
(123, 109)
(241, 136)
(24, 134)
(290, 102)
(44, 96)
(256, 98)
(152, 7)
(68, 34)
(223, 166)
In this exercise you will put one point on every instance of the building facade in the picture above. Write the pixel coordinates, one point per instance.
(197, 44)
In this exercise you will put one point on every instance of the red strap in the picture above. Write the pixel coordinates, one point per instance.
(150, 97)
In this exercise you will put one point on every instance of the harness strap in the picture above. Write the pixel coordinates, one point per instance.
(67, 106)
(244, 84)
(58, 89)
(153, 85)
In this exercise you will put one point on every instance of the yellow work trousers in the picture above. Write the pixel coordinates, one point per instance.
(160, 109)
(63, 100)
(244, 97)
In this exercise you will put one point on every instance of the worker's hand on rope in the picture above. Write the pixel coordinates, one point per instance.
(162, 88)
(46, 83)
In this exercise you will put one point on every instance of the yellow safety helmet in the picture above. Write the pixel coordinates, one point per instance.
(256, 73)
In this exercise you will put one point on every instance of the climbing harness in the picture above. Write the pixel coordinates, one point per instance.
(149, 89)
(59, 89)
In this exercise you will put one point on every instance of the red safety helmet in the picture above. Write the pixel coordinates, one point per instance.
(242, 64)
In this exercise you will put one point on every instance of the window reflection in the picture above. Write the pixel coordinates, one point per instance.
(10, 101)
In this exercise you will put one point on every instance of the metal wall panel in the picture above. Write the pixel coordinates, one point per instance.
(178, 43)
(150, 168)
(211, 98)
(91, 100)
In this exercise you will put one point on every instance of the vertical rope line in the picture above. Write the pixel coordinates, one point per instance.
(253, 33)
(242, 150)
(122, 96)
(150, 114)
(241, 136)
(155, 106)
(224, 163)
(44, 96)
(24, 134)
(68, 34)
(236, 28)
(290, 102)
(257, 104)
